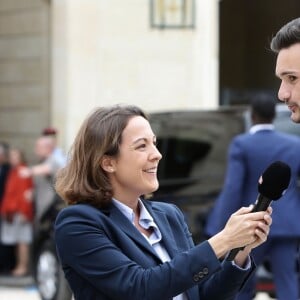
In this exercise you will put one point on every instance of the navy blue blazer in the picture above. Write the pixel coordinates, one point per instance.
(104, 256)
(248, 156)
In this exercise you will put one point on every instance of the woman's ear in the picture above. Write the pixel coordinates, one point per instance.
(107, 164)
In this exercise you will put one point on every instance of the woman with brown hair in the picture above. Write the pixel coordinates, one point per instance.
(113, 244)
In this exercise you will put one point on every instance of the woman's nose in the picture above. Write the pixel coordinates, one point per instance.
(156, 154)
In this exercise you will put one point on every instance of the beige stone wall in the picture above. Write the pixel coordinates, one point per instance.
(24, 71)
(61, 58)
(105, 52)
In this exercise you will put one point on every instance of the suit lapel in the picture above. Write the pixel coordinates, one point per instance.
(129, 229)
(163, 224)
(161, 221)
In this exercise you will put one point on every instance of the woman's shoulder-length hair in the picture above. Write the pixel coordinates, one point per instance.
(83, 180)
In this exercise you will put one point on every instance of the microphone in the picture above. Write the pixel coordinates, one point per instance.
(272, 184)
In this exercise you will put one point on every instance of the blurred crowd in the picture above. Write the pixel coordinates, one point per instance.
(26, 192)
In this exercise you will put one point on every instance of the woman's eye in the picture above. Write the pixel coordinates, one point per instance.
(141, 146)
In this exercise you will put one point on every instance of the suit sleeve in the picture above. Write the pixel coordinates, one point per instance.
(225, 283)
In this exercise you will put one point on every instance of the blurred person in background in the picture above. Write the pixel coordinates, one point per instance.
(17, 212)
(43, 174)
(7, 253)
(58, 152)
(249, 155)
(4, 167)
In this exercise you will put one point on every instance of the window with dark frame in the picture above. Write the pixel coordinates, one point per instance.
(172, 14)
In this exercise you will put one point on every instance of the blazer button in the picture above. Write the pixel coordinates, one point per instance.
(201, 275)
(196, 277)
(205, 271)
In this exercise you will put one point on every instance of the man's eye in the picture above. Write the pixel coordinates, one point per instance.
(292, 78)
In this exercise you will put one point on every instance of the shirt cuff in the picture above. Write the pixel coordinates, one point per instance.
(246, 267)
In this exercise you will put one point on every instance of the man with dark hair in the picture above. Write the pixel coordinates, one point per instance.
(249, 155)
(286, 44)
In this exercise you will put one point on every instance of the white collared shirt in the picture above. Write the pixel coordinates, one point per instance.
(146, 221)
(259, 127)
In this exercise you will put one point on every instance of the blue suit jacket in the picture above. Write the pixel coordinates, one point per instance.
(249, 155)
(105, 257)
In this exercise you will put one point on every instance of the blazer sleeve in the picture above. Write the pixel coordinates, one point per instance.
(225, 283)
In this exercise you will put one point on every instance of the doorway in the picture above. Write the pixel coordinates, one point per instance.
(246, 63)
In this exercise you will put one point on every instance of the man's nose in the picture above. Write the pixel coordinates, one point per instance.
(283, 93)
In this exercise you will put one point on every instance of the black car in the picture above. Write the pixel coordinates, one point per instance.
(194, 147)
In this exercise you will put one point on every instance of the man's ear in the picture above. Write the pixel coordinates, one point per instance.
(107, 164)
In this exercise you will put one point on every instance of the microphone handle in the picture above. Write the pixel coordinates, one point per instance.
(261, 204)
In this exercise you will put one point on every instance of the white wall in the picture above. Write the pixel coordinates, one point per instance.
(105, 52)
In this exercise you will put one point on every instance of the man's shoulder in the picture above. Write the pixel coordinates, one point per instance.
(288, 136)
(241, 138)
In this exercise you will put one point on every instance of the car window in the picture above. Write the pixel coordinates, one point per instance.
(180, 154)
(194, 146)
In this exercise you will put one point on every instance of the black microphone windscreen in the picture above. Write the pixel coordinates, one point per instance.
(274, 180)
